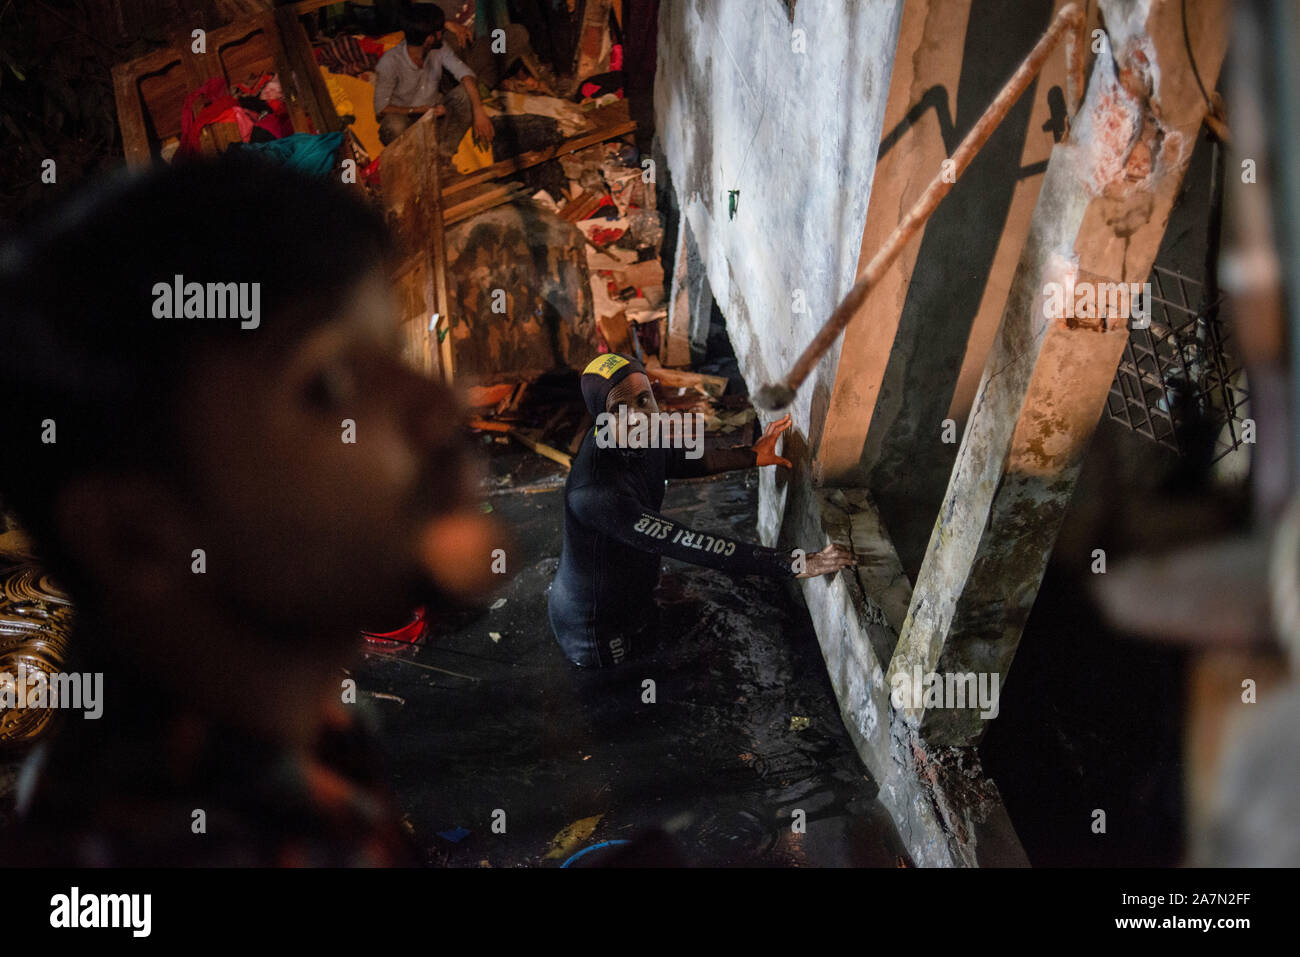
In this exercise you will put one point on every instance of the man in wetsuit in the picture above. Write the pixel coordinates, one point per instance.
(601, 603)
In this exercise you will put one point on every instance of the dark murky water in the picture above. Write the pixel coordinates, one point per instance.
(743, 732)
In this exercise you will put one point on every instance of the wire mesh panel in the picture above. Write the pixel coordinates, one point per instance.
(1179, 367)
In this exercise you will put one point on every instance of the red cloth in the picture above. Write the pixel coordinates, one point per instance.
(220, 109)
(277, 122)
(254, 88)
(224, 108)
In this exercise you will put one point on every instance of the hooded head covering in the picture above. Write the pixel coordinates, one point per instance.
(602, 374)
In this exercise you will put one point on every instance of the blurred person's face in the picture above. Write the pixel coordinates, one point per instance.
(634, 393)
(312, 474)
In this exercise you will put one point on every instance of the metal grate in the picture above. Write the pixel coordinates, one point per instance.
(1178, 368)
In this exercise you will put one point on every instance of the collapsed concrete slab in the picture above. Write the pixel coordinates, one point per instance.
(948, 813)
(1100, 217)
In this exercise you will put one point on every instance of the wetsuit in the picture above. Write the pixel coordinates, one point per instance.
(601, 603)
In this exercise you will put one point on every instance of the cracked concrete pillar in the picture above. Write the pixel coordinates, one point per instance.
(914, 354)
(1100, 217)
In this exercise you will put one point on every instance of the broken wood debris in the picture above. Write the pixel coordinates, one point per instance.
(483, 201)
(541, 448)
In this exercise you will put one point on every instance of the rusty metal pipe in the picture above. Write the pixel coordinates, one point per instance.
(1068, 24)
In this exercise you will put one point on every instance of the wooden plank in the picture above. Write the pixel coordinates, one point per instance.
(575, 211)
(616, 331)
(675, 348)
(407, 194)
(535, 157)
(308, 6)
(541, 448)
(150, 62)
(305, 73)
(130, 115)
(432, 162)
(162, 93)
(499, 196)
(413, 201)
(251, 51)
(297, 112)
(484, 425)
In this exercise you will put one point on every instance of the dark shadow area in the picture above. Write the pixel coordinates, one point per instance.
(1090, 720)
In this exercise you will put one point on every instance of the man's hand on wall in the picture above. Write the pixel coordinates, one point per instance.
(765, 447)
(826, 562)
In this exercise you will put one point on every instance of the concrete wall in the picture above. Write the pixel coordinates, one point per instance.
(739, 107)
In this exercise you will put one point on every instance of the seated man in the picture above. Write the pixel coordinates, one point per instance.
(601, 603)
(406, 87)
(231, 484)
(492, 45)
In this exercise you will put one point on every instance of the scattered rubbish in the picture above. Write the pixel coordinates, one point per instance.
(564, 843)
(603, 232)
(455, 834)
(799, 723)
(499, 603)
(568, 115)
(495, 636)
(442, 671)
(483, 397)
(487, 426)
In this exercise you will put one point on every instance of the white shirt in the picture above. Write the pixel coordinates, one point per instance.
(399, 82)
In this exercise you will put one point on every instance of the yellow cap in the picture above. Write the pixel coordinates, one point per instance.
(606, 365)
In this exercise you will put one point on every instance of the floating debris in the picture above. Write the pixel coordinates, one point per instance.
(564, 843)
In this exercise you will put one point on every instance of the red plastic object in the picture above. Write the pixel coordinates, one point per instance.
(407, 634)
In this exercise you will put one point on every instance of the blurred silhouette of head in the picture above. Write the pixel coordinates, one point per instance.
(152, 429)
